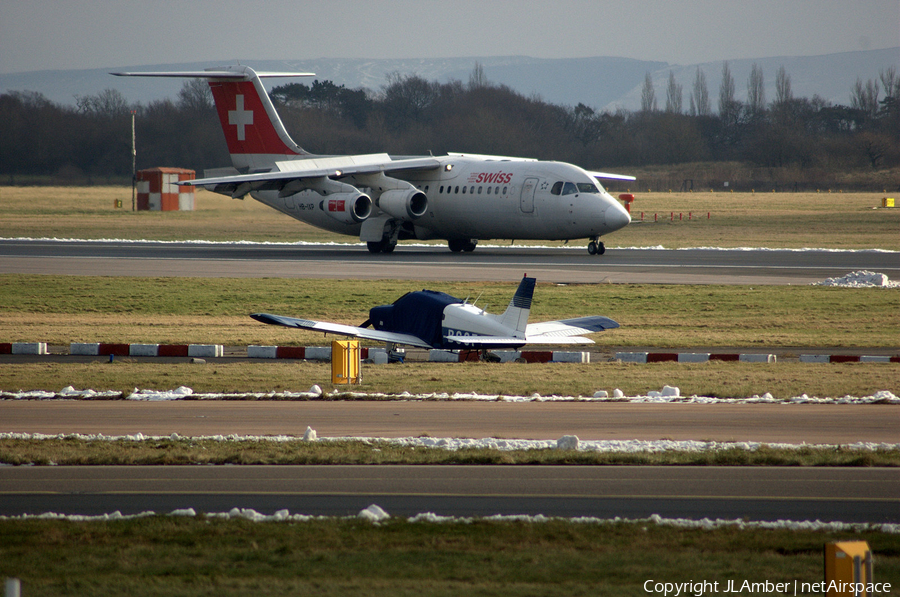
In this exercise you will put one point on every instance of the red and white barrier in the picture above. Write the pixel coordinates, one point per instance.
(95, 349)
(379, 355)
(23, 348)
(692, 357)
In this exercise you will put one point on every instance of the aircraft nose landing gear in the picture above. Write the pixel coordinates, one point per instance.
(595, 247)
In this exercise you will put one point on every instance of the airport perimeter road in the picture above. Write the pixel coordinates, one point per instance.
(771, 423)
(757, 493)
(561, 265)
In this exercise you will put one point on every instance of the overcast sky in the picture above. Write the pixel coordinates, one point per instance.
(76, 34)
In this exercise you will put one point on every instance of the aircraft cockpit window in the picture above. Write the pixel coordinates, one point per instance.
(557, 188)
(569, 188)
(587, 187)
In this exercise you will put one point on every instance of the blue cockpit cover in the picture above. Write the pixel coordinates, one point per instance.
(416, 313)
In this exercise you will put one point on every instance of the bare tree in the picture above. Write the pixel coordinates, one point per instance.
(726, 91)
(700, 96)
(648, 95)
(783, 93)
(477, 78)
(195, 95)
(890, 82)
(109, 103)
(673, 95)
(756, 93)
(865, 97)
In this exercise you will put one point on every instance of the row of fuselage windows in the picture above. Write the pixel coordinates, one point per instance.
(472, 190)
(559, 188)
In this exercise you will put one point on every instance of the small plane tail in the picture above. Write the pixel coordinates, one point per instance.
(516, 314)
(254, 132)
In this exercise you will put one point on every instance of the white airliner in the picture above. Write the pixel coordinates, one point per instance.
(431, 319)
(460, 198)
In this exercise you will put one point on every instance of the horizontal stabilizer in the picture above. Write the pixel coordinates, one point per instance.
(211, 74)
(570, 327)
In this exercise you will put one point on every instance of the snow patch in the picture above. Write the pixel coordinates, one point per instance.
(667, 394)
(420, 245)
(310, 435)
(376, 514)
(860, 279)
(570, 442)
(179, 393)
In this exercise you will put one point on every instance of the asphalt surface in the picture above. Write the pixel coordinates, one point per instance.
(560, 265)
(773, 493)
(772, 423)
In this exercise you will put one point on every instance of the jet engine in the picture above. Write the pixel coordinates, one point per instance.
(349, 208)
(405, 204)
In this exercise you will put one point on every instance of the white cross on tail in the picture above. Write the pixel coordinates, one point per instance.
(240, 117)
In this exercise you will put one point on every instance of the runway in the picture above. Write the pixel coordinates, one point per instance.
(758, 493)
(771, 423)
(560, 265)
(772, 493)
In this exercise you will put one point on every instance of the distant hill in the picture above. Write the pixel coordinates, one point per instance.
(600, 82)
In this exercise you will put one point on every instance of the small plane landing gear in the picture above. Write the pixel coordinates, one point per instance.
(457, 245)
(382, 246)
(595, 247)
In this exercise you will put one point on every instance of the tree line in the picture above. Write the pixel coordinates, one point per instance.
(413, 116)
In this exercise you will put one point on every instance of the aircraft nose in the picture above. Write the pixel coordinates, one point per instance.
(617, 216)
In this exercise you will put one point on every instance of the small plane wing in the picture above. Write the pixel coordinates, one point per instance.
(557, 331)
(343, 330)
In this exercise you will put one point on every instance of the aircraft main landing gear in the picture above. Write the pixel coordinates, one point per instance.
(468, 245)
(595, 247)
(382, 246)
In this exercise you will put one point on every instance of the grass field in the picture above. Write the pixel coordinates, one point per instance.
(70, 451)
(725, 380)
(65, 309)
(201, 556)
(774, 220)
(176, 556)
(62, 309)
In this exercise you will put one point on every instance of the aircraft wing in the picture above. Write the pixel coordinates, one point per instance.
(343, 330)
(610, 176)
(319, 167)
(566, 330)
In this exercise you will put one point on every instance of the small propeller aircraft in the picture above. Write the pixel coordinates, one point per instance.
(432, 319)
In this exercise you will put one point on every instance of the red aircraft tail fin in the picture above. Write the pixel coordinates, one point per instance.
(255, 134)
